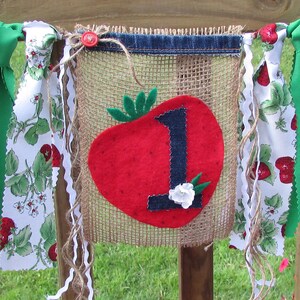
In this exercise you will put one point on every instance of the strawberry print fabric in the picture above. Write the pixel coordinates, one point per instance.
(273, 162)
(28, 231)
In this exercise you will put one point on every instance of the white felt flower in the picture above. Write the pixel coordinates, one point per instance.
(183, 194)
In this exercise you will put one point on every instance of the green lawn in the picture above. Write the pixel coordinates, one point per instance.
(124, 272)
(129, 273)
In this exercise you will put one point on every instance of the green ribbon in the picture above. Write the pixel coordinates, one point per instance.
(9, 35)
(293, 32)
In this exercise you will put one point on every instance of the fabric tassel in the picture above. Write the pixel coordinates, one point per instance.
(31, 158)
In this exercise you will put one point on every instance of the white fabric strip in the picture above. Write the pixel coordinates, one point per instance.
(68, 178)
(30, 172)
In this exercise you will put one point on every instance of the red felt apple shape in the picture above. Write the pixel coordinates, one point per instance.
(142, 159)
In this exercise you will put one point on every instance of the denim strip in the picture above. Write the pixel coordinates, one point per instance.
(173, 44)
(175, 121)
(162, 202)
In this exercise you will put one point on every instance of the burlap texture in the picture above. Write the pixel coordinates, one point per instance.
(102, 80)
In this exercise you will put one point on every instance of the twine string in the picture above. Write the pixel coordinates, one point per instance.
(76, 43)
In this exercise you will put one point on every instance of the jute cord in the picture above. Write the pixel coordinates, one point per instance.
(73, 219)
(100, 31)
(259, 258)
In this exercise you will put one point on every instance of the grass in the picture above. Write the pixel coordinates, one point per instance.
(124, 272)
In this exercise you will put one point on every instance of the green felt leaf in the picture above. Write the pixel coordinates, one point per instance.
(48, 231)
(42, 126)
(196, 179)
(129, 106)
(199, 188)
(140, 103)
(21, 241)
(287, 98)
(269, 245)
(11, 163)
(283, 218)
(150, 100)
(20, 187)
(275, 201)
(272, 177)
(265, 153)
(118, 115)
(31, 136)
(270, 107)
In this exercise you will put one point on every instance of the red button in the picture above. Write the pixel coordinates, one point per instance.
(89, 39)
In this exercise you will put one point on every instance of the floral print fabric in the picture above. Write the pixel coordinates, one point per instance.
(33, 158)
(274, 164)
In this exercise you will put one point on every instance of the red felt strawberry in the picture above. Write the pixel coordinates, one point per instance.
(52, 252)
(263, 77)
(268, 34)
(6, 225)
(56, 157)
(294, 123)
(263, 171)
(131, 162)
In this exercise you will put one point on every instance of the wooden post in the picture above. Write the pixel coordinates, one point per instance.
(196, 273)
(62, 206)
(61, 201)
(297, 268)
(62, 231)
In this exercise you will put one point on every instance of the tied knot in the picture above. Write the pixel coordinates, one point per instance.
(90, 36)
(91, 32)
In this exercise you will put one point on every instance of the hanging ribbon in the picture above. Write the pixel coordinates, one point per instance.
(32, 160)
(293, 32)
(9, 35)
